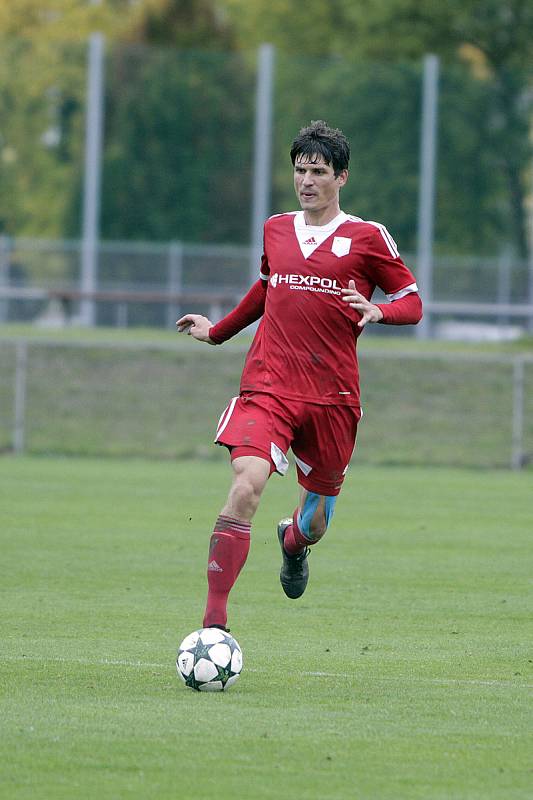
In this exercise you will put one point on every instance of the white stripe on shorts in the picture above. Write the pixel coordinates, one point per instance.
(225, 418)
(306, 469)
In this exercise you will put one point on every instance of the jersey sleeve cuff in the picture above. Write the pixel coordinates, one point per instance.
(213, 335)
(383, 308)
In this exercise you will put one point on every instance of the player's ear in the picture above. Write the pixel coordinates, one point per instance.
(342, 177)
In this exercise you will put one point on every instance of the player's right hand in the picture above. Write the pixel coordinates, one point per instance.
(195, 325)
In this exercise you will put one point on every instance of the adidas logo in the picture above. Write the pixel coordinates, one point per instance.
(312, 240)
(214, 567)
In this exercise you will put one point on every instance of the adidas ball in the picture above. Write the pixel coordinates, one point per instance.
(209, 660)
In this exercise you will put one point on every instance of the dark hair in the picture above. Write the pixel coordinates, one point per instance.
(318, 139)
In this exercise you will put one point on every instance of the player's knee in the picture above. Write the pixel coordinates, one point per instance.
(317, 530)
(314, 517)
(318, 526)
(244, 496)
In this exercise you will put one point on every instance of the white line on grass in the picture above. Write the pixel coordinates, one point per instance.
(108, 662)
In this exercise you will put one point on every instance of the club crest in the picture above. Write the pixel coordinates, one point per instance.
(341, 246)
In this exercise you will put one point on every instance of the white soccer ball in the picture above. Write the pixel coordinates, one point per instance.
(209, 660)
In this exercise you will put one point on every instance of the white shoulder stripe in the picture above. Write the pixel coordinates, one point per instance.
(263, 276)
(398, 295)
(387, 238)
(283, 214)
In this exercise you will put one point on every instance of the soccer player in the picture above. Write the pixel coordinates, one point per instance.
(299, 387)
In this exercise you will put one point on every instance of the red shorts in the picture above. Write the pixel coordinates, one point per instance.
(322, 438)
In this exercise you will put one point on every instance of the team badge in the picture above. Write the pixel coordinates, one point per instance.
(341, 246)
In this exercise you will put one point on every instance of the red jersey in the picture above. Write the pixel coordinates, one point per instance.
(305, 345)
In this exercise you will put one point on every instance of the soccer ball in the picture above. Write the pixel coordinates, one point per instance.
(209, 660)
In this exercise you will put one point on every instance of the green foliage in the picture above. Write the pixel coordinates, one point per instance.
(402, 674)
(41, 134)
(180, 23)
(499, 31)
(46, 21)
(486, 171)
(494, 37)
(178, 154)
(171, 170)
(376, 106)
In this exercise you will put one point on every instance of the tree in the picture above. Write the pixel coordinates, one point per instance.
(190, 24)
(154, 97)
(42, 91)
(178, 128)
(485, 46)
(178, 140)
(494, 38)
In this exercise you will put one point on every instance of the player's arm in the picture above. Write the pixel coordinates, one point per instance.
(249, 310)
(404, 310)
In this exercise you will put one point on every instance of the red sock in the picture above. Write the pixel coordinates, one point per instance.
(295, 542)
(228, 551)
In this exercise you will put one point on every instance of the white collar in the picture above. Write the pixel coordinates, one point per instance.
(311, 236)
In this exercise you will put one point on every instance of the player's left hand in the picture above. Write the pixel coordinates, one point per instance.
(369, 312)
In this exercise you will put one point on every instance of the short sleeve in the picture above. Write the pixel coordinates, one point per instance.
(388, 270)
(264, 270)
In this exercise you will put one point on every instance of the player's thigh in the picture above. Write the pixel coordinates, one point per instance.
(252, 471)
(323, 447)
(256, 422)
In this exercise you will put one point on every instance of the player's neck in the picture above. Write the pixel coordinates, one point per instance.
(321, 217)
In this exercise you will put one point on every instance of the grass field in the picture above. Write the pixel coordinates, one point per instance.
(144, 393)
(404, 672)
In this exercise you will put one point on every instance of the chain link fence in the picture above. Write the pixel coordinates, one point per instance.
(486, 293)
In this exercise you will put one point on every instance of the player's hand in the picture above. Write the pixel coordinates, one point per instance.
(369, 312)
(195, 325)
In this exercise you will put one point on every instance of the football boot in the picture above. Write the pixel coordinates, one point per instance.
(294, 572)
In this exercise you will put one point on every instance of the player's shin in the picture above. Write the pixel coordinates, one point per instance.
(228, 551)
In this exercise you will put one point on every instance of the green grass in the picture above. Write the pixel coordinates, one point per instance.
(398, 341)
(122, 393)
(162, 337)
(404, 671)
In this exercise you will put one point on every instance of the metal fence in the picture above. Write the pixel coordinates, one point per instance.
(163, 402)
(478, 297)
(143, 277)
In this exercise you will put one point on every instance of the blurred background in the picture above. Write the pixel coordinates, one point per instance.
(144, 142)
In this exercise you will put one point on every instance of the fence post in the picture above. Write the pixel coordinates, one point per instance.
(517, 455)
(174, 280)
(262, 153)
(426, 193)
(21, 370)
(4, 275)
(94, 114)
(504, 281)
(529, 211)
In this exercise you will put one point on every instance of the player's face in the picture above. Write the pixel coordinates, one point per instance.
(317, 188)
